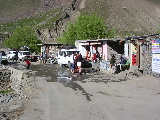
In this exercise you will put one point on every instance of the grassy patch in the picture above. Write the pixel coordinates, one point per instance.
(41, 20)
(6, 91)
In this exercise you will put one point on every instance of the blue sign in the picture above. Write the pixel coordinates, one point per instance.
(156, 46)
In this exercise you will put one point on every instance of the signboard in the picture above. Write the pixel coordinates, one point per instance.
(156, 55)
(156, 63)
(85, 43)
(155, 45)
(95, 43)
(0, 58)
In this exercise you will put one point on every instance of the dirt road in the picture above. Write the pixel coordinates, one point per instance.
(64, 96)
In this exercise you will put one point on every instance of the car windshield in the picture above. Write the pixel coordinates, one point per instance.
(72, 52)
(26, 53)
(15, 52)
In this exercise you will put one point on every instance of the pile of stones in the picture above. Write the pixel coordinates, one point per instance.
(16, 88)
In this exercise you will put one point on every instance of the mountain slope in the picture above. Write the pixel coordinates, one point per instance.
(139, 16)
(127, 17)
(11, 10)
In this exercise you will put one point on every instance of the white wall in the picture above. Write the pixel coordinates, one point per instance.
(126, 50)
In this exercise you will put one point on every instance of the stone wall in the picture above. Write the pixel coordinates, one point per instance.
(5, 81)
(21, 81)
(24, 88)
(147, 58)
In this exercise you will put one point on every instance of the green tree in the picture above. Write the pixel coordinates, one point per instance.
(23, 36)
(86, 27)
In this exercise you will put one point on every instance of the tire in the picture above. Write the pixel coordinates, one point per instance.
(69, 65)
(23, 59)
(56, 61)
(19, 59)
(62, 65)
(53, 61)
(8, 58)
(4, 62)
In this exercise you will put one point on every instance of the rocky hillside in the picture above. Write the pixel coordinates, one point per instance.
(134, 16)
(49, 17)
(17, 9)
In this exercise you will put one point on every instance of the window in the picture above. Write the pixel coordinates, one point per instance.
(61, 53)
(3, 53)
(26, 53)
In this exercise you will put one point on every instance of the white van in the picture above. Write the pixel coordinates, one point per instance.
(11, 55)
(4, 59)
(66, 56)
(22, 55)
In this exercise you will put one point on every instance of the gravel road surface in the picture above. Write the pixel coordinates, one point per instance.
(92, 96)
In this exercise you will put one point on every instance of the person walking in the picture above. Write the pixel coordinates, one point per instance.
(28, 64)
(112, 64)
(44, 58)
(79, 62)
(72, 67)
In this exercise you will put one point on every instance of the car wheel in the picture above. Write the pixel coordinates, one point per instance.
(62, 65)
(22, 59)
(53, 61)
(8, 58)
(69, 65)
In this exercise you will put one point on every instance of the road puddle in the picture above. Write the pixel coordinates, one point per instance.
(55, 73)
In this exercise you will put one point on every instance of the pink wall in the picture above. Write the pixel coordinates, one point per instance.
(104, 54)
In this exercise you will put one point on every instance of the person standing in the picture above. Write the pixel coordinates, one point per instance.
(112, 64)
(79, 63)
(44, 58)
(123, 61)
(72, 67)
(28, 64)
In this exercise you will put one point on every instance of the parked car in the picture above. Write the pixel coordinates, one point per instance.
(66, 56)
(34, 58)
(12, 55)
(86, 64)
(4, 58)
(24, 55)
(30, 58)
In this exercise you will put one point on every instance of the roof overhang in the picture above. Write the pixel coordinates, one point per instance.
(54, 44)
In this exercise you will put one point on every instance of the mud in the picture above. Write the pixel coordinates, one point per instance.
(55, 73)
